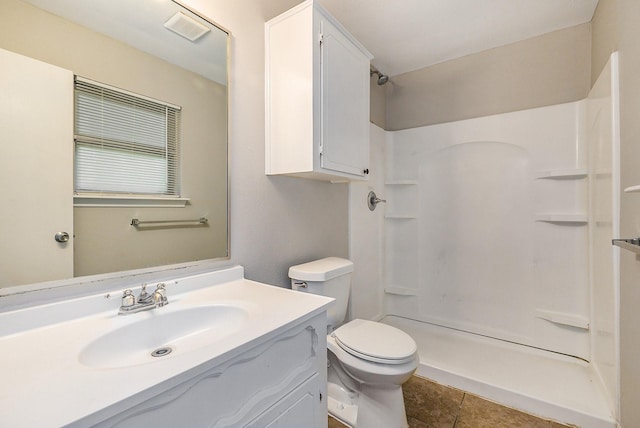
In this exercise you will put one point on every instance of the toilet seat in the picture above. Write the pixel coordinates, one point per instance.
(375, 342)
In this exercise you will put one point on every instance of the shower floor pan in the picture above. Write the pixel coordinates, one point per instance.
(545, 384)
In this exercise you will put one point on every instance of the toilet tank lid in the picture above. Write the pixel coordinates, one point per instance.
(321, 270)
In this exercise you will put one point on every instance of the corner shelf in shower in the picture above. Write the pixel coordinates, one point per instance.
(632, 189)
(397, 216)
(563, 318)
(555, 174)
(407, 215)
(401, 183)
(562, 218)
(400, 291)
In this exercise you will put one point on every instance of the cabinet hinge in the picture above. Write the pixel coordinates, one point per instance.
(320, 38)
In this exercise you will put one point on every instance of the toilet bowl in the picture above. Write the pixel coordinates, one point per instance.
(372, 362)
(367, 361)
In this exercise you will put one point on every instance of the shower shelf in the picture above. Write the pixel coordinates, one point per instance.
(574, 173)
(400, 216)
(563, 318)
(401, 183)
(400, 291)
(562, 218)
(632, 189)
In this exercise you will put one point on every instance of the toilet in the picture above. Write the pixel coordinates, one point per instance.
(367, 361)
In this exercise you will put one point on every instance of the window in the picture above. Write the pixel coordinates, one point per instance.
(125, 143)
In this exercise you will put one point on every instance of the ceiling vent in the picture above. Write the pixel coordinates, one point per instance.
(186, 27)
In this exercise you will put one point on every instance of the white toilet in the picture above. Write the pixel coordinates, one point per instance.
(368, 361)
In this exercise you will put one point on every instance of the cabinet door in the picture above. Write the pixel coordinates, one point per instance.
(345, 103)
(36, 122)
(301, 408)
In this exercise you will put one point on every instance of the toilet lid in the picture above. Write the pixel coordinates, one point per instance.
(376, 342)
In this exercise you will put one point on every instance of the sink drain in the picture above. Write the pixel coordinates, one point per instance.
(161, 352)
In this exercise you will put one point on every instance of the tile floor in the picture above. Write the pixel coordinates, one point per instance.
(431, 405)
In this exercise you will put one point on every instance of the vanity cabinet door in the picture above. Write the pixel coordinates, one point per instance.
(298, 409)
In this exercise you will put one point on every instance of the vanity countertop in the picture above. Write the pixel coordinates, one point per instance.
(46, 383)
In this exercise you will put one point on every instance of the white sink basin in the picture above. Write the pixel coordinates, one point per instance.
(168, 332)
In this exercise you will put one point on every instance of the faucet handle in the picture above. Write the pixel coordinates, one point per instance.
(143, 296)
(160, 295)
(128, 299)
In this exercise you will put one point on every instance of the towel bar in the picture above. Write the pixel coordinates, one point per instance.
(628, 244)
(137, 222)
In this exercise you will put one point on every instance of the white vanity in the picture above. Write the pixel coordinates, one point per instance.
(232, 352)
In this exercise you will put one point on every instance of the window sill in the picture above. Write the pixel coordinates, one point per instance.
(133, 201)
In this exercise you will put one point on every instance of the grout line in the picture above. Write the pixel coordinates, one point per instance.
(455, 421)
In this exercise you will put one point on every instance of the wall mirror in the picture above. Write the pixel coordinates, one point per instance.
(157, 50)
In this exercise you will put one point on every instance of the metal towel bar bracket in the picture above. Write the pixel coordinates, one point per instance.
(137, 222)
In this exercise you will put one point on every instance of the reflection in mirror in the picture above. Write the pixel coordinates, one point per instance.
(44, 46)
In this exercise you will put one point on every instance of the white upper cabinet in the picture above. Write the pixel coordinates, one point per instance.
(317, 97)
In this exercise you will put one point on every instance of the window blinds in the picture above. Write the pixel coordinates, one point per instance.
(125, 143)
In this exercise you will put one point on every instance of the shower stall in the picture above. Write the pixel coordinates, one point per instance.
(494, 252)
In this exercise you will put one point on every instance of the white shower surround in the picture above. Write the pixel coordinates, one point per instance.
(463, 198)
(465, 236)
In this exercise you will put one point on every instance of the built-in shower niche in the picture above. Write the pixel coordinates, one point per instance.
(486, 227)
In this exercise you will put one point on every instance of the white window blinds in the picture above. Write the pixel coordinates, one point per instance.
(125, 143)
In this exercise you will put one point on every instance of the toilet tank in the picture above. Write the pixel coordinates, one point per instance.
(330, 277)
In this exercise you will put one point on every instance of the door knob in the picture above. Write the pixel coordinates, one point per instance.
(62, 237)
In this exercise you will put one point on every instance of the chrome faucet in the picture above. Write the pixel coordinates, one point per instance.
(145, 301)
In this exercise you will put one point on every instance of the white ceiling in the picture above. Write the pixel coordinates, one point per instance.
(406, 35)
(403, 35)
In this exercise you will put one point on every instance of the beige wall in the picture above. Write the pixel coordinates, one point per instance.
(104, 241)
(550, 69)
(604, 36)
(378, 111)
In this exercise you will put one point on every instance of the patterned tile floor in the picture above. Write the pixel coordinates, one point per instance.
(431, 405)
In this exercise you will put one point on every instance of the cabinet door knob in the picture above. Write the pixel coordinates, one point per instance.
(61, 237)
(366, 171)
